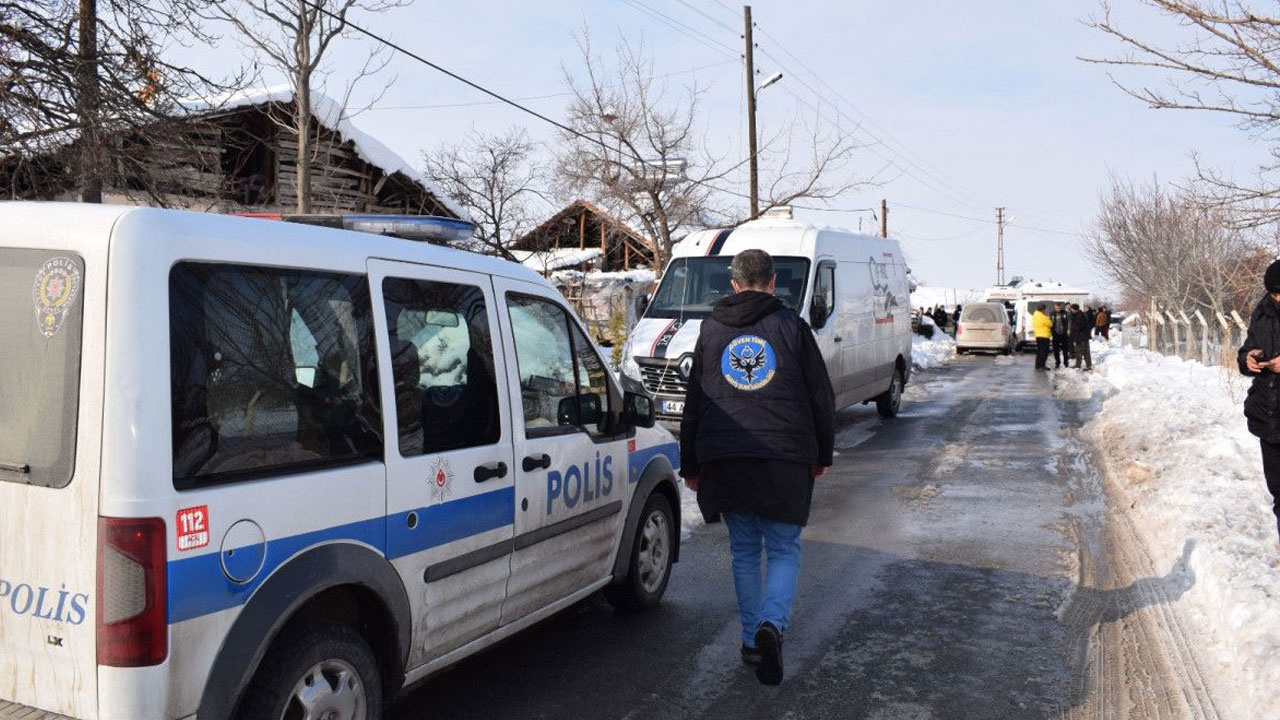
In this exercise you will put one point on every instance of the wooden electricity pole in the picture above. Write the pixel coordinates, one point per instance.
(751, 112)
(90, 179)
(884, 218)
(999, 246)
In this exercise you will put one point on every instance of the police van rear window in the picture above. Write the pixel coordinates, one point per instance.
(272, 372)
(41, 318)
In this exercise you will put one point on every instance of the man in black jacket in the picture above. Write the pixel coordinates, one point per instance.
(1259, 357)
(1061, 319)
(758, 427)
(1081, 328)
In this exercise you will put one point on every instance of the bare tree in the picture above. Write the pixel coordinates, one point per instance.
(86, 84)
(496, 179)
(1223, 62)
(1164, 246)
(636, 149)
(294, 37)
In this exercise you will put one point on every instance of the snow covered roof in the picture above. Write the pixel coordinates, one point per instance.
(1031, 287)
(547, 260)
(331, 114)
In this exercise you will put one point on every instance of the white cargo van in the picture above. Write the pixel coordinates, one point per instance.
(247, 466)
(851, 288)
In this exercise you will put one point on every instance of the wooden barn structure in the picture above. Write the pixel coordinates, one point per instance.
(240, 155)
(583, 225)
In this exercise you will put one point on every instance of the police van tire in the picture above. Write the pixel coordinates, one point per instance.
(651, 553)
(888, 402)
(325, 664)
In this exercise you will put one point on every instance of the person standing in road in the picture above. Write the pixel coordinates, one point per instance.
(1042, 327)
(1061, 329)
(1081, 326)
(758, 427)
(1259, 358)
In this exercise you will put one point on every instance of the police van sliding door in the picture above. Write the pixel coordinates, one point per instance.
(450, 479)
(571, 461)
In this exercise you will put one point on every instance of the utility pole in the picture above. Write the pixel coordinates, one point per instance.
(751, 112)
(999, 246)
(87, 102)
(884, 218)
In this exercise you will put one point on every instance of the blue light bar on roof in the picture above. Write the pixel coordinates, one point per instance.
(426, 228)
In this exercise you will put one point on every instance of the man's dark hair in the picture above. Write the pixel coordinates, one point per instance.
(1041, 307)
(752, 269)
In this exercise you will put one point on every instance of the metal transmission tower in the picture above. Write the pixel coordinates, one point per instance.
(999, 246)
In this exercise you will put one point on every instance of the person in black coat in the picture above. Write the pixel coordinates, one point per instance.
(1259, 358)
(1061, 319)
(1081, 328)
(758, 427)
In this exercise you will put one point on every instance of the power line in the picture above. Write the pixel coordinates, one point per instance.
(576, 133)
(681, 27)
(544, 97)
(704, 14)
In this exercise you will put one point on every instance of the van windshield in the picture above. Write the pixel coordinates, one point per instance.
(40, 323)
(692, 285)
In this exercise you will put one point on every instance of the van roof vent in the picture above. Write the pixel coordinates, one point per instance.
(779, 211)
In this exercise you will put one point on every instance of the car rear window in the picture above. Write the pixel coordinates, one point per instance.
(41, 318)
(982, 313)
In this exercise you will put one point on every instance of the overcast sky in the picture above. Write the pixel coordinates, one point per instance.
(963, 106)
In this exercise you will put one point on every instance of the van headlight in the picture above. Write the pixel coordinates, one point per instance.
(631, 368)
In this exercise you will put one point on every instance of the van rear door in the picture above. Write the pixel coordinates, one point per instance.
(51, 327)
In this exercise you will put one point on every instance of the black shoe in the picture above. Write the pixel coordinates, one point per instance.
(769, 644)
(750, 655)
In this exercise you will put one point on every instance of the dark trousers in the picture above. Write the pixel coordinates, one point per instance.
(1061, 350)
(1042, 352)
(1271, 470)
(1082, 351)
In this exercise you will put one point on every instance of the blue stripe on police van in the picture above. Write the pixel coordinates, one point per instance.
(455, 520)
(197, 585)
(640, 459)
(718, 244)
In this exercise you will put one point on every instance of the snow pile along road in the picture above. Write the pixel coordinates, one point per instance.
(1172, 441)
(932, 353)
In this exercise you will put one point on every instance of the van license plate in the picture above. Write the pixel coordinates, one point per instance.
(675, 407)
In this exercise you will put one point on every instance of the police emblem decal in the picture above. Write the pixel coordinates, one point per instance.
(55, 289)
(748, 362)
(440, 480)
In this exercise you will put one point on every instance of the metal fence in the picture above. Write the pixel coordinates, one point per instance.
(1209, 338)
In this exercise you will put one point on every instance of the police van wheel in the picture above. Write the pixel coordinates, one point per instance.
(650, 566)
(321, 671)
(888, 402)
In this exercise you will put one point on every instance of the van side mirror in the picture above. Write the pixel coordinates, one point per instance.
(818, 312)
(579, 410)
(637, 410)
(642, 304)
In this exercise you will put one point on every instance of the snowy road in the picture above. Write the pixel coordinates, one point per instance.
(960, 563)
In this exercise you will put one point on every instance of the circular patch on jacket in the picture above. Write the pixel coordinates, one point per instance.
(748, 362)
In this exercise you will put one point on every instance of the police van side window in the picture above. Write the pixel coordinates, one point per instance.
(594, 404)
(271, 370)
(442, 366)
(544, 355)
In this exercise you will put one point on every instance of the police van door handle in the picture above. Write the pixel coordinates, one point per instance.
(533, 462)
(490, 470)
(838, 338)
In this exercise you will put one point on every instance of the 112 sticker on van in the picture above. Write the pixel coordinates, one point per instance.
(193, 528)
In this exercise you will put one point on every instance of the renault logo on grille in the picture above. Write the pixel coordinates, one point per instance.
(685, 366)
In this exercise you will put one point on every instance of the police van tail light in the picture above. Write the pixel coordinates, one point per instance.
(132, 595)
(959, 328)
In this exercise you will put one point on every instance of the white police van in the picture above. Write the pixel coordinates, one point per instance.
(851, 288)
(259, 469)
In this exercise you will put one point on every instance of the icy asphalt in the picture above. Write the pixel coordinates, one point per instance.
(960, 562)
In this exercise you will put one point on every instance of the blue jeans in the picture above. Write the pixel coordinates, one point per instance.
(772, 602)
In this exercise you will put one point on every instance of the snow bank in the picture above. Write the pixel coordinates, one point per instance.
(542, 261)
(1174, 445)
(934, 352)
(332, 115)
